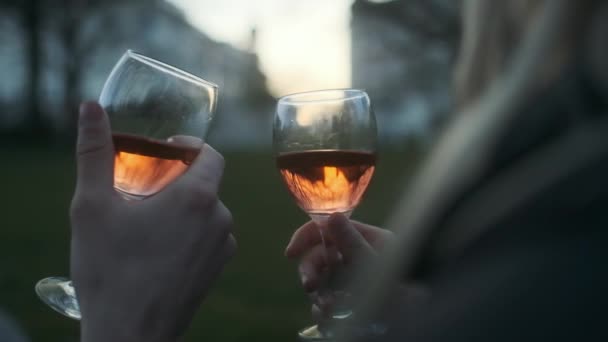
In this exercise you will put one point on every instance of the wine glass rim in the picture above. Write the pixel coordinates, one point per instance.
(293, 98)
(164, 67)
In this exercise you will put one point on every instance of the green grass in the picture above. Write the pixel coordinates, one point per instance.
(257, 298)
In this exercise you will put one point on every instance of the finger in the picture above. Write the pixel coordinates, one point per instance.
(304, 238)
(206, 171)
(375, 236)
(318, 315)
(311, 268)
(315, 265)
(346, 237)
(307, 236)
(94, 150)
(322, 301)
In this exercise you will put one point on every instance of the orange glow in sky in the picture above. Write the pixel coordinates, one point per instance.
(302, 44)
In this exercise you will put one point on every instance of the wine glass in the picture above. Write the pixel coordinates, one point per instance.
(325, 144)
(160, 116)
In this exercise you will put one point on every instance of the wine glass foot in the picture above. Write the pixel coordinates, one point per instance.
(314, 333)
(59, 294)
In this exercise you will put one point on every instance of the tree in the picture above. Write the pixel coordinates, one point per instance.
(70, 15)
(78, 46)
(30, 18)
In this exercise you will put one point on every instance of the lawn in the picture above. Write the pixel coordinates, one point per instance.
(257, 298)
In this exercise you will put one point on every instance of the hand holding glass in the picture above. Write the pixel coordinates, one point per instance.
(160, 116)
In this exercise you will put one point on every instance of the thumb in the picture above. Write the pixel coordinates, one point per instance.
(346, 237)
(94, 150)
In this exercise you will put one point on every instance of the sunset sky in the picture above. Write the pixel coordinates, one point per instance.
(302, 44)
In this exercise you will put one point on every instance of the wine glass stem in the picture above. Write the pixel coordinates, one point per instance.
(321, 222)
(330, 290)
(325, 249)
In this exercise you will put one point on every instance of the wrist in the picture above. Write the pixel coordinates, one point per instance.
(120, 335)
(117, 329)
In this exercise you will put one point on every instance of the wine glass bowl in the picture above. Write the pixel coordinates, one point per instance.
(160, 117)
(325, 143)
(338, 119)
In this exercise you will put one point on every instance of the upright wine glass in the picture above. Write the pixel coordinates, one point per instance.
(325, 143)
(160, 116)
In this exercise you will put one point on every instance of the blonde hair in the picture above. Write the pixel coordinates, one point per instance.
(509, 48)
(491, 30)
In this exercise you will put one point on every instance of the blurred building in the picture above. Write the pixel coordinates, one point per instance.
(156, 28)
(402, 52)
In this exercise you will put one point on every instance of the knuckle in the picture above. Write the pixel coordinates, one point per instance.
(87, 148)
(222, 222)
(92, 137)
(225, 217)
(223, 229)
(217, 226)
(231, 247)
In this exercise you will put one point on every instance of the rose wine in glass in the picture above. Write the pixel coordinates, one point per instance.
(327, 181)
(143, 166)
(160, 116)
(325, 144)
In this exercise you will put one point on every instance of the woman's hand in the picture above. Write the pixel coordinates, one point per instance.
(348, 243)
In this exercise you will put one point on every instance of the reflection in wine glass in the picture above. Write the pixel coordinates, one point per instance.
(325, 142)
(160, 117)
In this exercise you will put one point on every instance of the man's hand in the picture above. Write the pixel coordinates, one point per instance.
(142, 268)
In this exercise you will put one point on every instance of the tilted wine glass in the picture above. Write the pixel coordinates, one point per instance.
(160, 116)
(325, 144)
